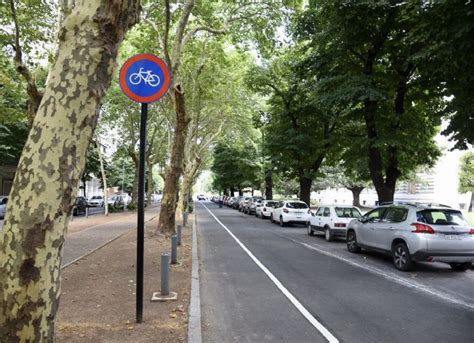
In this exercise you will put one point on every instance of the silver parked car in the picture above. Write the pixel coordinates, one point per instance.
(415, 232)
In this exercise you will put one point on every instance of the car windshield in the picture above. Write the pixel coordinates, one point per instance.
(96, 197)
(296, 205)
(347, 212)
(270, 204)
(441, 217)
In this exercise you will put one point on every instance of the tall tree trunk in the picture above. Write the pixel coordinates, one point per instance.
(471, 205)
(268, 186)
(356, 190)
(385, 188)
(185, 191)
(232, 191)
(305, 189)
(187, 184)
(168, 203)
(51, 165)
(241, 192)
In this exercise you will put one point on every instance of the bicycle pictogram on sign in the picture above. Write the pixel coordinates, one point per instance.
(145, 76)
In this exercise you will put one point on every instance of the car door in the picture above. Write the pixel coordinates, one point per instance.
(317, 218)
(385, 229)
(326, 218)
(366, 228)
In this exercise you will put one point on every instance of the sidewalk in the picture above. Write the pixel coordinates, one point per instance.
(86, 236)
(98, 293)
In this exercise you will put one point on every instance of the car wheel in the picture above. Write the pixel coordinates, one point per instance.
(282, 223)
(401, 257)
(328, 234)
(460, 267)
(310, 230)
(351, 241)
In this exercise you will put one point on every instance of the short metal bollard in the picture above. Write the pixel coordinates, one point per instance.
(165, 294)
(165, 274)
(87, 212)
(174, 249)
(179, 232)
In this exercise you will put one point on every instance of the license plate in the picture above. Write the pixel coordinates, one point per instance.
(451, 237)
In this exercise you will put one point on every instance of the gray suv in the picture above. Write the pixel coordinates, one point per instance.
(415, 232)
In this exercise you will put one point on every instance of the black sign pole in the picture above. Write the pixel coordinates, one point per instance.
(141, 214)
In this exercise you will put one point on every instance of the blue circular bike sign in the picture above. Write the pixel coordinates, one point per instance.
(145, 78)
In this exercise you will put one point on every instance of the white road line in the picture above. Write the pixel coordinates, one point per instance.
(325, 332)
(389, 276)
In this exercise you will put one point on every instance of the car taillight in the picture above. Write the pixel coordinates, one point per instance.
(340, 225)
(471, 232)
(422, 228)
(286, 210)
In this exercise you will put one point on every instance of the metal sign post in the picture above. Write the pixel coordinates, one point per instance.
(144, 78)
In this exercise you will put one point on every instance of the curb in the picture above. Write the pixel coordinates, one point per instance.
(194, 324)
(102, 245)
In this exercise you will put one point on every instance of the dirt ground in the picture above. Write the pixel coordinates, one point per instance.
(98, 293)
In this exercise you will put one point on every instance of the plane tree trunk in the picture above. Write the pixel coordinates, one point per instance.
(168, 202)
(51, 165)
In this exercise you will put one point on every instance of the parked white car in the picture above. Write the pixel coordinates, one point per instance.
(96, 201)
(332, 220)
(3, 206)
(290, 212)
(264, 208)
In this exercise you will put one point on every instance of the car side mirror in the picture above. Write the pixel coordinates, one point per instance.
(364, 220)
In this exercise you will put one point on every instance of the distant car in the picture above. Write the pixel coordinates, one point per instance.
(290, 212)
(415, 232)
(252, 205)
(80, 206)
(201, 197)
(332, 220)
(263, 210)
(243, 203)
(117, 201)
(96, 201)
(3, 206)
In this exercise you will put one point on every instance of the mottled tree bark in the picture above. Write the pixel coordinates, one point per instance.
(168, 202)
(50, 167)
(186, 185)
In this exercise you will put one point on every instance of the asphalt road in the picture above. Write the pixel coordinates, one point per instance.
(269, 283)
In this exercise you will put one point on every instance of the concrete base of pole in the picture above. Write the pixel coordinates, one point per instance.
(178, 264)
(169, 297)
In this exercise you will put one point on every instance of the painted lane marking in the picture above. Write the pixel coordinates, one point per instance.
(389, 276)
(325, 332)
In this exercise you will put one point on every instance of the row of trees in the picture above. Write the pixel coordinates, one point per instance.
(363, 86)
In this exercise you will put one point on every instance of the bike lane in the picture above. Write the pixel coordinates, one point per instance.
(239, 303)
